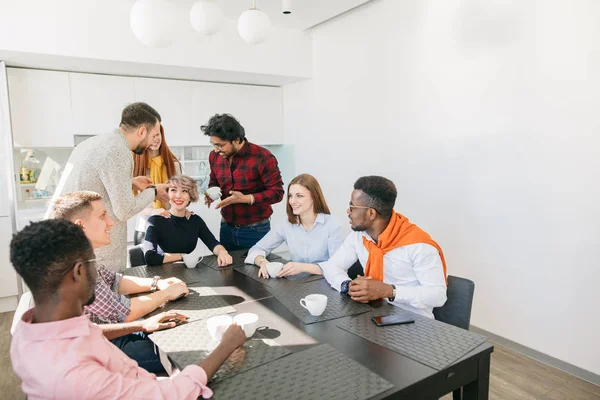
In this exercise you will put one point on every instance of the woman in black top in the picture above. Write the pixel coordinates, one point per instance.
(175, 238)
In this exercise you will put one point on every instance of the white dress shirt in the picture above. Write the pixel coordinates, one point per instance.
(317, 244)
(416, 270)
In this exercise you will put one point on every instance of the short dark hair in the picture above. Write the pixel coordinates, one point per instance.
(42, 251)
(72, 206)
(138, 114)
(225, 127)
(380, 193)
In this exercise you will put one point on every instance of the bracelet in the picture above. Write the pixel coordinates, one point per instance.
(251, 199)
(154, 284)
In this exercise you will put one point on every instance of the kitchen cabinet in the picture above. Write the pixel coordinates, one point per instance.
(258, 108)
(97, 102)
(8, 283)
(172, 99)
(40, 108)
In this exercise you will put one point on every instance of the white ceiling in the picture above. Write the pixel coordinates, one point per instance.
(305, 13)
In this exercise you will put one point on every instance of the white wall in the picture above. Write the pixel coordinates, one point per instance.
(484, 114)
(99, 29)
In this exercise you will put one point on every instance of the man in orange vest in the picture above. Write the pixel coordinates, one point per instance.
(402, 263)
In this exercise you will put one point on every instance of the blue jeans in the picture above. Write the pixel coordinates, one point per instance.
(140, 348)
(244, 237)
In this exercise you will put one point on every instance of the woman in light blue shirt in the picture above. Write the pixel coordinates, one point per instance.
(311, 233)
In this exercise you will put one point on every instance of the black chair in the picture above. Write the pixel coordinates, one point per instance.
(457, 309)
(136, 256)
(355, 270)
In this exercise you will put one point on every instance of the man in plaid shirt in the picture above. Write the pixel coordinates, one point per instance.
(249, 179)
(111, 306)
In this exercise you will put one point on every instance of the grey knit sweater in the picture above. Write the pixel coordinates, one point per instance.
(104, 164)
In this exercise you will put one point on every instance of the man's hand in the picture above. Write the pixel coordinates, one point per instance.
(175, 290)
(291, 268)
(234, 336)
(364, 289)
(164, 320)
(162, 194)
(234, 198)
(207, 200)
(163, 284)
(141, 183)
(224, 259)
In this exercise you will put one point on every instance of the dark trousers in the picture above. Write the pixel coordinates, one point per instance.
(140, 348)
(244, 237)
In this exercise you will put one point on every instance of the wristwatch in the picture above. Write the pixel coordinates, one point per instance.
(155, 280)
(345, 287)
(393, 294)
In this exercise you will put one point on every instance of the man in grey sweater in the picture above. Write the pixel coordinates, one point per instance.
(103, 164)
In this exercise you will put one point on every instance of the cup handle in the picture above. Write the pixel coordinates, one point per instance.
(303, 304)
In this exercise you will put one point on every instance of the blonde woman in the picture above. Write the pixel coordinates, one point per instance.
(175, 238)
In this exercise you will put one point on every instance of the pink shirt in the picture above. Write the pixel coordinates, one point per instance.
(72, 359)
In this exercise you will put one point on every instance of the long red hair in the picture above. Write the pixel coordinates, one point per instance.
(140, 162)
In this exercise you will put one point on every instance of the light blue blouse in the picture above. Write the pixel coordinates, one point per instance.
(316, 245)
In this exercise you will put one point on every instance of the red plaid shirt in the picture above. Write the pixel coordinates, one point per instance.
(110, 307)
(253, 170)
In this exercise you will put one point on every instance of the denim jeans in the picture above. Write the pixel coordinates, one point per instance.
(244, 237)
(140, 348)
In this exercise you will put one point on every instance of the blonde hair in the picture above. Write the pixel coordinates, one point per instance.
(72, 206)
(186, 183)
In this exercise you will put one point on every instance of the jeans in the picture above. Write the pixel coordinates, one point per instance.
(140, 348)
(244, 237)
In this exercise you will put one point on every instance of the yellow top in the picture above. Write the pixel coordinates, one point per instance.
(158, 174)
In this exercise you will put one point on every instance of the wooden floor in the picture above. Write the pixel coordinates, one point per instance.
(513, 376)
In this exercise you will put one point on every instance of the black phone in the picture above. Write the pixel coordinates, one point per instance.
(392, 320)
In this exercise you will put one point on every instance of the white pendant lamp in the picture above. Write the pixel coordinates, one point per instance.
(206, 17)
(254, 25)
(153, 22)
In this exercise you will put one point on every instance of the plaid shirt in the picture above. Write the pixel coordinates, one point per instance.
(253, 170)
(110, 307)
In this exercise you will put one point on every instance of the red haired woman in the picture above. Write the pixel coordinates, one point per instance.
(159, 164)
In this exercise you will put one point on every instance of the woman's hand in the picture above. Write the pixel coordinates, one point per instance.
(262, 272)
(292, 268)
(224, 259)
(162, 212)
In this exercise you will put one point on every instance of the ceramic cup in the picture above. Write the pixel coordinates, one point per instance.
(273, 269)
(218, 325)
(248, 322)
(314, 303)
(214, 192)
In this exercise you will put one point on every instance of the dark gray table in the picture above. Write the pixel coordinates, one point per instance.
(411, 379)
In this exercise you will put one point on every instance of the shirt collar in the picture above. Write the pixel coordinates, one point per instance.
(320, 219)
(244, 150)
(65, 329)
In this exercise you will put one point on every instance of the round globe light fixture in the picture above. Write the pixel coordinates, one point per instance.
(254, 25)
(206, 17)
(153, 22)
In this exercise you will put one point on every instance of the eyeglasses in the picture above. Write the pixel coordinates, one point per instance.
(218, 146)
(93, 260)
(352, 207)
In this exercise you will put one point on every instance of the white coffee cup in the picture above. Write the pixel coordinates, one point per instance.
(248, 322)
(273, 268)
(314, 303)
(218, 325)
(214, 192)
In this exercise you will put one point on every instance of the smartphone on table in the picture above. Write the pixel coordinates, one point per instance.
(392, 320)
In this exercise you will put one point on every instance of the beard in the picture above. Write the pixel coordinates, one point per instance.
(90, 300)
(139, 150)
(359, 228)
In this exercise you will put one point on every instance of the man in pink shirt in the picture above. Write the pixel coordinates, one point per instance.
(58, 353)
